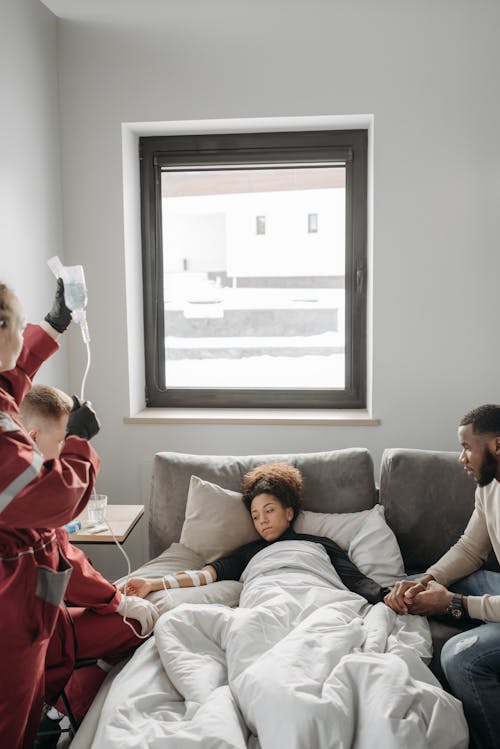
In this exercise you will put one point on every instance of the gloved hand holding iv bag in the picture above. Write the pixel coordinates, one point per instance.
(59, 316)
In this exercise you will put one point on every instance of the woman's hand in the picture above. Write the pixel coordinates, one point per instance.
(137, 586)
(400, 598)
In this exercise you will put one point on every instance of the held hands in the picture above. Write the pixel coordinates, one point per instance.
(59, 316)
(400, 599)
(83, 421)
(426, 597)
(142, 611)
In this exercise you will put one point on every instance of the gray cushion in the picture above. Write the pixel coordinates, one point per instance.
(428, 499)
(337, 481)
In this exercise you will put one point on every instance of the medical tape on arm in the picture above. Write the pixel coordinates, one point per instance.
(194, 577)
(207, 575)
(171, 580)
(200, 577)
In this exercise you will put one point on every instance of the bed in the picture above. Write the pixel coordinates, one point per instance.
(286, 657)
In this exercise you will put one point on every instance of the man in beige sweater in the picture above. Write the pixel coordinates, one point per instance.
(470, 660)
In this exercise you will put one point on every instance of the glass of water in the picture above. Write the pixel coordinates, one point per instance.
(96, 508)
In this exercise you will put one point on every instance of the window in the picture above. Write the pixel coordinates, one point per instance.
(242, 307)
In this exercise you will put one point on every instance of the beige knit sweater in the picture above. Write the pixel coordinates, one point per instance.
(472, 549)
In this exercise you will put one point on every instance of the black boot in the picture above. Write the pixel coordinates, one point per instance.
(48, 733)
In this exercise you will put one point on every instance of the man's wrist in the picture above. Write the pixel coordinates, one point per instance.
(449, 600)
(425, 579)
(456, 607)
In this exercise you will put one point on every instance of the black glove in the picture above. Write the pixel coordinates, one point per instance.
(59, 316)
(82, 421)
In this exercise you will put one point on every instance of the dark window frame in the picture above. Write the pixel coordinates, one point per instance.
(349, 147)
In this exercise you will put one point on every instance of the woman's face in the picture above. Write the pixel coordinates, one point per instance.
(269, 516)
(11, 334)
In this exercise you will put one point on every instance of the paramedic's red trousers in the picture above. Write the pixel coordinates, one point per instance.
(106, 637)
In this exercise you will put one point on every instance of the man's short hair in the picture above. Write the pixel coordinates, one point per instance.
(44, 401)
(484, 419)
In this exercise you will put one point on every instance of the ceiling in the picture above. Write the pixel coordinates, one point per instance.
(122, 12)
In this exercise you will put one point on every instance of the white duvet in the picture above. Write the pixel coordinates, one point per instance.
(303, 662)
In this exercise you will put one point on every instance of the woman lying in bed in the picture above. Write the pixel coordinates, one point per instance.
(272, 494)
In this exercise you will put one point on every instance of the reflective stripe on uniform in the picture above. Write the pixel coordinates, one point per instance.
(9, 492)
(51, 584)
(7, 423)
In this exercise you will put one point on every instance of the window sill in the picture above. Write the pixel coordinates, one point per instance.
(326, 417)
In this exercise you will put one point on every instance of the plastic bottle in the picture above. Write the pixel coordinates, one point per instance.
(74, 526)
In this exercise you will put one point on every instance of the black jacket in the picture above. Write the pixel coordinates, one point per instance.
(232, 566)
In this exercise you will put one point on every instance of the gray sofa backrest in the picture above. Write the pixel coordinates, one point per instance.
(428, 500)
(337, 481)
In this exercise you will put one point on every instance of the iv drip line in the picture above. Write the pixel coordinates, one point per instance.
(82, 389)
(74, 277)
(127, 559)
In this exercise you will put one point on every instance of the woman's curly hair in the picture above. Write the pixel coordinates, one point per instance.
(281, 480)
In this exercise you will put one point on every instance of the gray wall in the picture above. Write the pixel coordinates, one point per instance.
(30, 177)
(426, 71)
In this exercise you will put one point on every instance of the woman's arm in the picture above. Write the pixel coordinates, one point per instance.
(225, 568)
(139, 586)
(351, 576)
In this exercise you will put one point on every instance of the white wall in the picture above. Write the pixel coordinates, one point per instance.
(428, 72)
(30, 185)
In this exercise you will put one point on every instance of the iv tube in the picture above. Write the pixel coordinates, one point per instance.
(141, 637)
(84, 379)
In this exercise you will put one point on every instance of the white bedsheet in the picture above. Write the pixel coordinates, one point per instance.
(302, 663)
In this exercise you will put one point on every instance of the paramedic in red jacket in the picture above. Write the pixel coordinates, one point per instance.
(92, 624)
(35, 497)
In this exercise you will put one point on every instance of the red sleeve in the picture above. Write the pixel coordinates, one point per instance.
(34, 494)
(87, 587)
(38, 346)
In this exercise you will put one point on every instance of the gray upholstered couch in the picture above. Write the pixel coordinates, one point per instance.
(426, 495)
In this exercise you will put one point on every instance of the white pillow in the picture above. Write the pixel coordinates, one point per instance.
(375, 551)
(341, 527)
(175, 559)
(217, 522)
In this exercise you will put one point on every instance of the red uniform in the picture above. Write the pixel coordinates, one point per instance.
(88, 628)
(35, 497)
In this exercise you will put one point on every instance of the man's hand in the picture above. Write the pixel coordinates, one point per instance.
(59, 316)
(435, 599)
(82, 421)
(403, 593)
(136, 586)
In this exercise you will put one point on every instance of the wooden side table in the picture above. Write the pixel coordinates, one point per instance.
(122, 518)
(100, 547)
